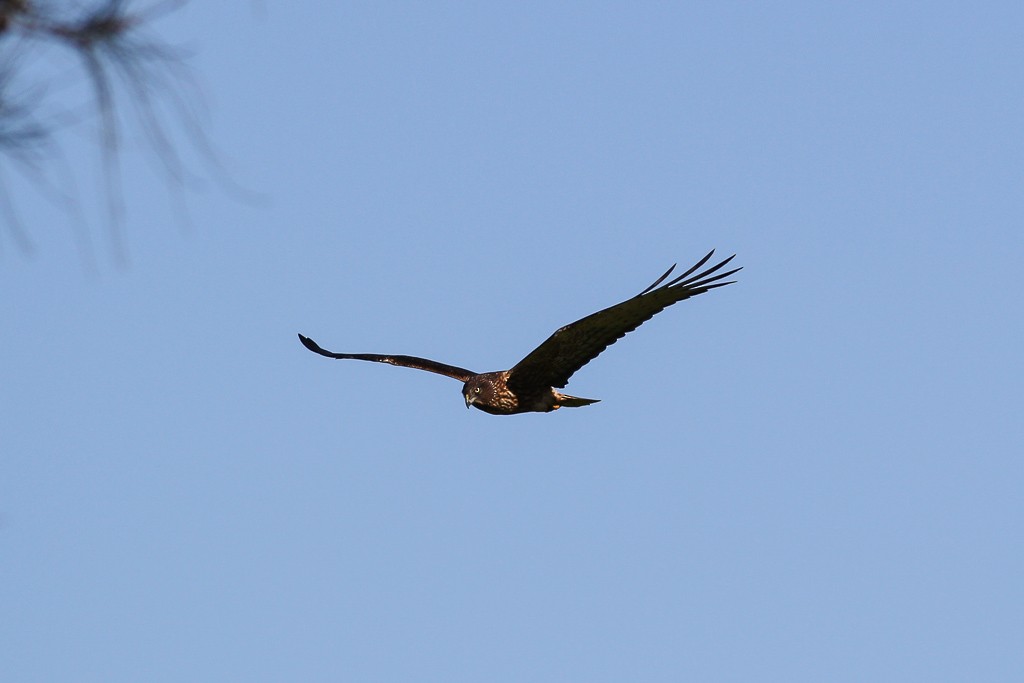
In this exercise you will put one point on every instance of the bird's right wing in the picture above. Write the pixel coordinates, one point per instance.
(460, 374)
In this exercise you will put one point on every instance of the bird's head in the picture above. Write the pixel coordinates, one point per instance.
(478, 391)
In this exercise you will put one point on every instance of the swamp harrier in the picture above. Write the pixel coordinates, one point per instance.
(530, 385)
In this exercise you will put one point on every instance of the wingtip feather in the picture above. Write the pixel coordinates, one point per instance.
(659, 280)
(310, 344)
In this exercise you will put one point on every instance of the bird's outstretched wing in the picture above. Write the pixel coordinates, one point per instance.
(570, 348)
(460, 374)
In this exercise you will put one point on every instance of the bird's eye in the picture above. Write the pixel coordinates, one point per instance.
(476, 390)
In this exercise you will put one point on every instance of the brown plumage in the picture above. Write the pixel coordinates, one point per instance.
(530, 385)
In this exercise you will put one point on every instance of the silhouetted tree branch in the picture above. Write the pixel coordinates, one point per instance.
(132, 78)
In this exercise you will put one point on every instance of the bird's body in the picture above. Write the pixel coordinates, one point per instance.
(490, 392)
(530, 386)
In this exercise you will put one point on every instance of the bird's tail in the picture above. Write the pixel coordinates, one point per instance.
(572, 401)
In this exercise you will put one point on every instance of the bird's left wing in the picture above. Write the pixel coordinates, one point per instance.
(570, 348)
(460, 374)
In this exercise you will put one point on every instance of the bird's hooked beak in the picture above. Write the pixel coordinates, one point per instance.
(469, 399)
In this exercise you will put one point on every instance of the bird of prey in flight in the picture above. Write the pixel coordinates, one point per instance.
(530, 386)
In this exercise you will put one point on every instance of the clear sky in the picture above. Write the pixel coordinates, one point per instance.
(814, 474)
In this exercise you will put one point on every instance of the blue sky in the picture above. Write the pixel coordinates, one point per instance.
(814, 474)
